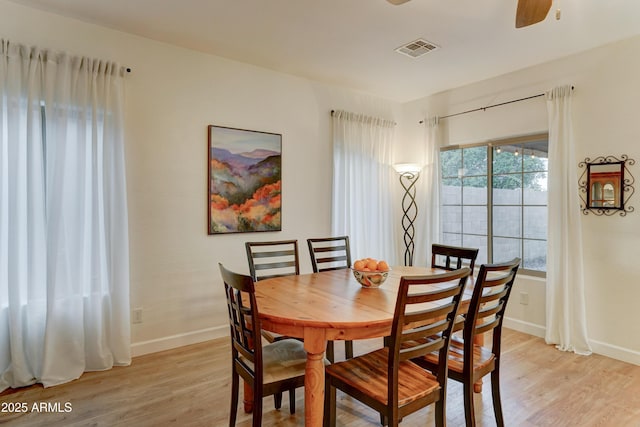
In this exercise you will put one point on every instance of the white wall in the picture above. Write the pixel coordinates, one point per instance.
(605, 117)
(171, 96)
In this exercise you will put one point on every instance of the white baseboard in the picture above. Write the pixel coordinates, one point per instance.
(615, 352)
(601, 348)
(174, 341)
(526, 327)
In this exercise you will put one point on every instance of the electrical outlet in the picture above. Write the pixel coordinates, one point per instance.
(137, 315)
(524, 298)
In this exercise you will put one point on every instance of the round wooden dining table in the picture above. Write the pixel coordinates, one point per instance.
(330, 305)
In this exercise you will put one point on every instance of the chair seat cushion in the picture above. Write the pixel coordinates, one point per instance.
(369, 374)
(282, 360)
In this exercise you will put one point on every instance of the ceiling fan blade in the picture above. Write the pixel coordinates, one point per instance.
(531, 12)
(397, 2)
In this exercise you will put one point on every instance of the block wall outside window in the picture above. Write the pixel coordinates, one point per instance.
(494, 197)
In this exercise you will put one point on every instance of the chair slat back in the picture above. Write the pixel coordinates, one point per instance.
(244, 321)
(453, 257)
(329, 253)
(273, 259)
(489, 301)
(424, 318)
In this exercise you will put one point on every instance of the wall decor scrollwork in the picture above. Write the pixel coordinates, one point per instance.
(606, 185)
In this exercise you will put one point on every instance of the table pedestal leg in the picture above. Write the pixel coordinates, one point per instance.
(247, 398)
(314, 390)
(315, 345)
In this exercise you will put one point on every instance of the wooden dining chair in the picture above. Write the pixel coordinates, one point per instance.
(272, 259)
(386, 379)
(269, 369)
(453, 257)
(331, 253)
(469, 362)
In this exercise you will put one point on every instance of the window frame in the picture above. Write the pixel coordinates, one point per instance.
(490, 145)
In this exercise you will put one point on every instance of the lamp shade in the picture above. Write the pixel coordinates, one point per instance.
(407, 168)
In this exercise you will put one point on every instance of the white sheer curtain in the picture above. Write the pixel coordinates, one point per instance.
(566, 314)
(64, 262)
(428, 197)
(362, 185)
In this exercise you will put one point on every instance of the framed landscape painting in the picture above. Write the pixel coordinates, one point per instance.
(244, 181)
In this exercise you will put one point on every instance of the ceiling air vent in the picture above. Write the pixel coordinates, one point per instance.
(416, 48)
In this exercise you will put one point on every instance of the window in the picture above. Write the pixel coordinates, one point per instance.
(494, 197)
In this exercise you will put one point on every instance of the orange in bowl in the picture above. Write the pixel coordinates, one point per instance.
(382, 266)
(359, 265)
(372, 265)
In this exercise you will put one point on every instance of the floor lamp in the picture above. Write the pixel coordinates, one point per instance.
(409, 174)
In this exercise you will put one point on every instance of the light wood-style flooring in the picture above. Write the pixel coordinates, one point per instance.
(189, 386)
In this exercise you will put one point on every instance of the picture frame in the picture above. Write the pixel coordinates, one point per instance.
(244, 180)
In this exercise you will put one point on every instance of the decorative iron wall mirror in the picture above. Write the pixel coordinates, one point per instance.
(606, 185)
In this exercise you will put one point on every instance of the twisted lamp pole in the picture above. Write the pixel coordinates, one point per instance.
(409, 174)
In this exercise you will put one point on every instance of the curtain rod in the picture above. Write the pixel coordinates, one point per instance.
(491, 106)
